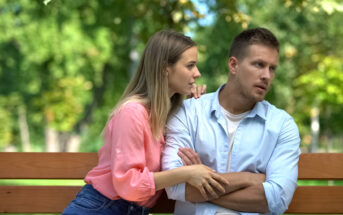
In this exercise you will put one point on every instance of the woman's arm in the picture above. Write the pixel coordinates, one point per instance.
(237, 181)
(201, 177)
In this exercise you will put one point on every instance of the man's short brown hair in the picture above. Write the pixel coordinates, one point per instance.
(249, 37)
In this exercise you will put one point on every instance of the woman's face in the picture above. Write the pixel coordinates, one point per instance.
(182, 75)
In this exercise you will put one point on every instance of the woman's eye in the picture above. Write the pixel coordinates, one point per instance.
(190, 66)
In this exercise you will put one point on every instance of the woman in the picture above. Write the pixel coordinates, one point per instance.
(127, 179)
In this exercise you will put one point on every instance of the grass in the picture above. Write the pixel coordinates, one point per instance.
(320, 182)
(61, 182)
(42, 182)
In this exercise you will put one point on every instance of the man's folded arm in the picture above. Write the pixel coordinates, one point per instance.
(244, 193)
(282, 168)
(177, 137)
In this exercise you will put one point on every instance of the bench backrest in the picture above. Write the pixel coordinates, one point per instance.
(53, 199)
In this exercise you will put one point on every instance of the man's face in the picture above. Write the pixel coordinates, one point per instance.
(256, 71)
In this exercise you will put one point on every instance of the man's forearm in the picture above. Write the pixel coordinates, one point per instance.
(249, 199)
(237, 180)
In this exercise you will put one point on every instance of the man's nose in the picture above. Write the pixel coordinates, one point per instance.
(266, 73)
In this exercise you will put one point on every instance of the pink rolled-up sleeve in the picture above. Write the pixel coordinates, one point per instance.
(129, 135)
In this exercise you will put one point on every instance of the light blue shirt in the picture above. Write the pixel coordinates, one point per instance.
(266, 141)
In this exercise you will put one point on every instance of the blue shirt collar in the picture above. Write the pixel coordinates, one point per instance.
(259, 109)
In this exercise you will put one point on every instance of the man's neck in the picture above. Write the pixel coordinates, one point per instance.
(233, 101)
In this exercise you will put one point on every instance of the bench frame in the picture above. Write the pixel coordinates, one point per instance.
(53, 199)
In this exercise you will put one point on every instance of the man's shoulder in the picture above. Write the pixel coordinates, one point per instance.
(192, 108)
(203, 101)
(274, 112)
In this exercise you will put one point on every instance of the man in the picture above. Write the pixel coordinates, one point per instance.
(237, 133)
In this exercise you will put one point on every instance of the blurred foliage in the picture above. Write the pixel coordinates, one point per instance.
(310, 70)
(68, 62)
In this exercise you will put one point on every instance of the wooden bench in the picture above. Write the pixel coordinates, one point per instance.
(53, 199)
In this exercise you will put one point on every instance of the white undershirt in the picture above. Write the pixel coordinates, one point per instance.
(232, 121)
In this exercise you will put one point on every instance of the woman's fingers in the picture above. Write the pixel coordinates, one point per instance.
(203, 89)
(217, 186)
(200, 89)
(210, 190)
(203, 192)
(221, 179)
(197, 91)
(207, 181)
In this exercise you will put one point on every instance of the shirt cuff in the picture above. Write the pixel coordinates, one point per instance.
(272, 197)
(152, 182)
(177, 192)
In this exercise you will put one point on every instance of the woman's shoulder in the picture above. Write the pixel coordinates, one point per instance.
(135, 106)
(134, 109)
(129, 113)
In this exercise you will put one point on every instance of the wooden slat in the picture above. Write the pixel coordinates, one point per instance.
(52, 199)
(317, 200)
(321, 166)
(36, 165)
(163, 205)
(76, 165)
(36, 199)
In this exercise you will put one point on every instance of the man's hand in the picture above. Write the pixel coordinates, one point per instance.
(188, 156)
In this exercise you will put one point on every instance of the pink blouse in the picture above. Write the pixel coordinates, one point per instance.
(128, 158)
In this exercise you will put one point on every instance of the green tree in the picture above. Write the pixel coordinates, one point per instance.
(68, 63)
(308, 77)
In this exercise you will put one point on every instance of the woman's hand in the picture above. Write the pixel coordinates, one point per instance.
(206, 180)
(197, 91)
(202, 177)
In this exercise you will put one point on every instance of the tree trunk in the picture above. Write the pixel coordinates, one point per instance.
(315, 128)
(24, 129)
(73, 144)
(51, 139)
(69, 142)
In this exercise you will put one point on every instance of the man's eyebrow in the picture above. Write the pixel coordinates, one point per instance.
(261, 60)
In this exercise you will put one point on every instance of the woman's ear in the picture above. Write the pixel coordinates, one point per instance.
(167, 71)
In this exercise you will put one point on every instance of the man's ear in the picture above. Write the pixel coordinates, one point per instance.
(232, 64)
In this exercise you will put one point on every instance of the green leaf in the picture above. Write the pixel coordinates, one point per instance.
(46, 2)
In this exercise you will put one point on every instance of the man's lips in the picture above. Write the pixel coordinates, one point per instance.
(261, 86)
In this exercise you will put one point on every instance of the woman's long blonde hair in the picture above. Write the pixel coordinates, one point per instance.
(149, 85)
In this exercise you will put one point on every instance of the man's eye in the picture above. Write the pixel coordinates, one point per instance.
(259, 65)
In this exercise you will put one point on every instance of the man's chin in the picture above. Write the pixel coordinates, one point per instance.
(259, 98)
